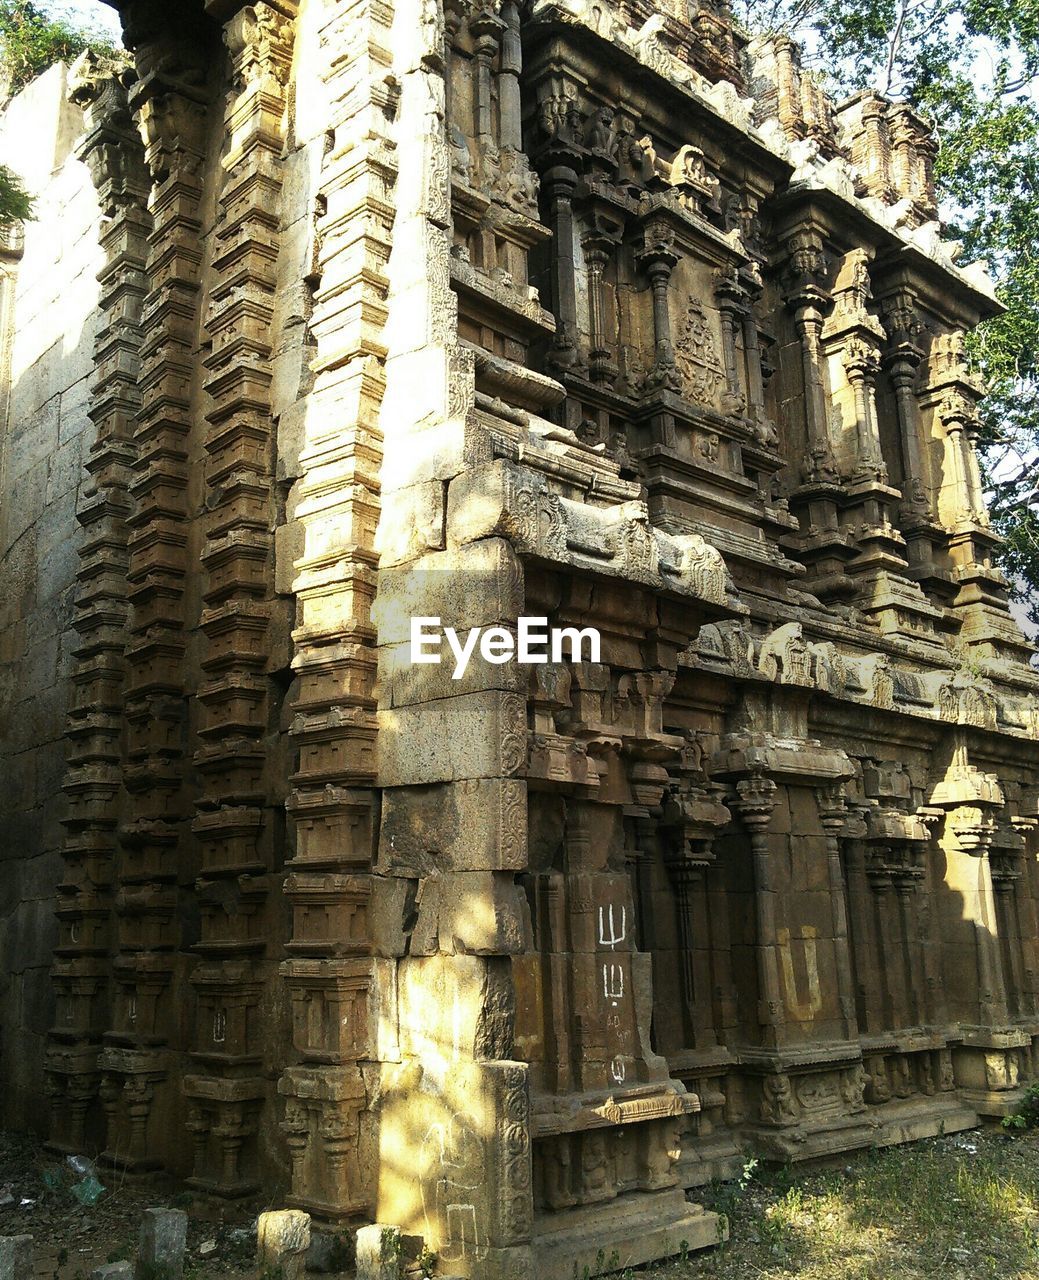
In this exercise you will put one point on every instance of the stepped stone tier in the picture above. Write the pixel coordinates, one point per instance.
(481, 309)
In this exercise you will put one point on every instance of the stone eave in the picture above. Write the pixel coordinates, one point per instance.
(852, 222)
(739, 143)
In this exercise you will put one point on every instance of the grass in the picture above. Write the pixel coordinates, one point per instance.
(957, 1208)
(962, 1208)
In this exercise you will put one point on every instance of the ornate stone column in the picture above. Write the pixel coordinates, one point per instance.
(833, 809)
(235, 826)
(691, 817)
(755, 803)
(959, 416)
(328, 973)
(658, 258)
(733, 310)
(901, 364)
(599, 243)
(808, 302)
(876, 149)
(788, 84)
(558, 183)
(970, 798)
(862, 364)
(511, 126)
(111, 149)
(487, 30)
(170, 101)
(901, 360)
(972, 830)
(888, 933)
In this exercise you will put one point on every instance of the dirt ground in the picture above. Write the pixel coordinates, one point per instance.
(37, 1198)
(957, 1208)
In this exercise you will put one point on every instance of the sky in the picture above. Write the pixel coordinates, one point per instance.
(90, 11)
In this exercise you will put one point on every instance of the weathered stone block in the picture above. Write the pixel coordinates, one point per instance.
(479, 735)
(367, 420)
(114, 1271)
(474, 912)
(460, 1002)
(378, 1253)
(476, 825)
(16, 1253)
(404, 681)
(417, 526)
(479, 587)
(282, 1241)
(164, 1234)
(392, 903)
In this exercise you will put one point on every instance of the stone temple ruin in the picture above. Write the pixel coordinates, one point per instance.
(360, 310)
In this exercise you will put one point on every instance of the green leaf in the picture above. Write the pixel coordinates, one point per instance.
(972, 67)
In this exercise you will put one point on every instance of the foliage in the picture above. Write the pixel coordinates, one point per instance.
(1026, 1114)
(964, 1206)
(972, 67)
(15, 201)
(33, 36)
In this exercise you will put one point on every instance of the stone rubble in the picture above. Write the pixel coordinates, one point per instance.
(283, 1239)
(16, 1257)
(163, 1239)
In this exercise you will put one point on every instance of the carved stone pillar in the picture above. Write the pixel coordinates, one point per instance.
(560, 1050)
(949, 397)
(902, 360)
(876, 149)
(755, 803)
(170, 104)
(558, 183)
(658, 258)
(112, 152)
(1005, 861)
(862, 365)
(599, 244)
(691, 816)
(788, 84)
(487, 30)
(807, 302)
(688, 879)
(327, 974)
(832, 814)
(889, 936)
(905, 887)
(510, 118)
(972, 830)
(903, 158)
(237, 838)
(733, 310)
(960, 419)
(926, 154)
(752, 353)
(1025, 913)
(901, 367)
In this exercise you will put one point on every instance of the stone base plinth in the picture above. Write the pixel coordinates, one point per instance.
(630, 1231)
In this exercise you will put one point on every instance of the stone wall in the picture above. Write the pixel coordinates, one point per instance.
(48, 317)
(585, 312)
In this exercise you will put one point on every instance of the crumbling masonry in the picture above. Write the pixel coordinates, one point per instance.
(478, 310)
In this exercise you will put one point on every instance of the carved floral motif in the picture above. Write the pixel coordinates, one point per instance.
(696, 356)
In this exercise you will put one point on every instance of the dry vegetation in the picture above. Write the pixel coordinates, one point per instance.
(962, 1208)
